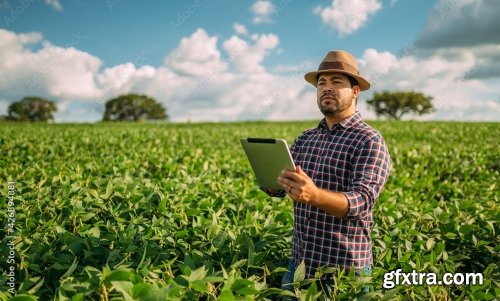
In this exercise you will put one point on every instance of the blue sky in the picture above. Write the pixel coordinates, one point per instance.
(249, 56)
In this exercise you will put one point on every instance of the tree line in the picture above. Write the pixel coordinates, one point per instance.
(128, 107)
(137, 107)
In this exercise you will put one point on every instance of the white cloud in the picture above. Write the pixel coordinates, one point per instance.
(51, 70)
(120, 77)
(12, 42)
(240, 29)
(245, 90)
(454, 96)
(248, 57)
(454, 23)
(455, 59)
(55, 4)
(347, 16)
(262, 10)
(196, 55)
(304, 66)
(198, 81)
(201, 80)
(452, 29)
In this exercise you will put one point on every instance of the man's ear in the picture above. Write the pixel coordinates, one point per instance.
(355, 90)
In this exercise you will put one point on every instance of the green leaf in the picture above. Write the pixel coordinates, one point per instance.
(140, 290)
(71, 269)
(162, 205)
(198, 274)
(220, 239)
(37, 286)
(312, 292)
(226, 295)
(239, 263)
(251, 250)
(388, 256)
(78, 297)
(244, 287)
(117, 275)
(31, 285)
(200, 286)
(430, 243)
(125, 288)
(300, 272)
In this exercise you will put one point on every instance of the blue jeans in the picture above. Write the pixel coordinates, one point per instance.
(287, 279)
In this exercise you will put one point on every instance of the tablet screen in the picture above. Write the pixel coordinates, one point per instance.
(268, 157)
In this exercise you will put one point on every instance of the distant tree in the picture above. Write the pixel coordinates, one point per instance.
(134, 107)
(31, 109)
(396, 104)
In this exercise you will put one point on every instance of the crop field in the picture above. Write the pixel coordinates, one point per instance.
(124, 211)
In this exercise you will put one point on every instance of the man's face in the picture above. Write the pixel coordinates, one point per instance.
(334, 93)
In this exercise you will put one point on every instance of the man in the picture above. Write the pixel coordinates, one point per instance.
(342, 165)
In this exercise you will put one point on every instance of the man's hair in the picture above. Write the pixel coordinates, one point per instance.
(352, 80)
(353, 83)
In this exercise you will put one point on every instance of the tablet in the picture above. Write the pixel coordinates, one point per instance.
(268, 157)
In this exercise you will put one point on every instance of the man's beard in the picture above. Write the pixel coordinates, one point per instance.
(335, 105)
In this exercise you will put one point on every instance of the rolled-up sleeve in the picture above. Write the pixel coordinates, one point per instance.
(370, 170)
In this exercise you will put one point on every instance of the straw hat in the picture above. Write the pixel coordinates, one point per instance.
(338, 61)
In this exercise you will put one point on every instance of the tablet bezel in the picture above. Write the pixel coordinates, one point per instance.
(268, 157)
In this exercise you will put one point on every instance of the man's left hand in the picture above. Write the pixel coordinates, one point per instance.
(298, 185)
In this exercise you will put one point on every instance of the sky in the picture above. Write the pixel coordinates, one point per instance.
(226, 60)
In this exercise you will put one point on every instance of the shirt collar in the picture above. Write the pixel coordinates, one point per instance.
(348, 122)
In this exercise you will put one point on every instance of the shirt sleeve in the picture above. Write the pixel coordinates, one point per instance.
(370, 170)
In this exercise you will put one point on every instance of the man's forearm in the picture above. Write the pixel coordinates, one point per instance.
(334, 203)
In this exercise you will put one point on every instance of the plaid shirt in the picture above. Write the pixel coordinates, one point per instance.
(351, 158)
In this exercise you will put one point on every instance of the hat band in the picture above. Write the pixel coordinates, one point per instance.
(339, 66)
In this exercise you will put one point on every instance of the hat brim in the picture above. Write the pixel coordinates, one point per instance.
(312, 78)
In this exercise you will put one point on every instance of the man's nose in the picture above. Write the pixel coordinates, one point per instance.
(328, 88)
